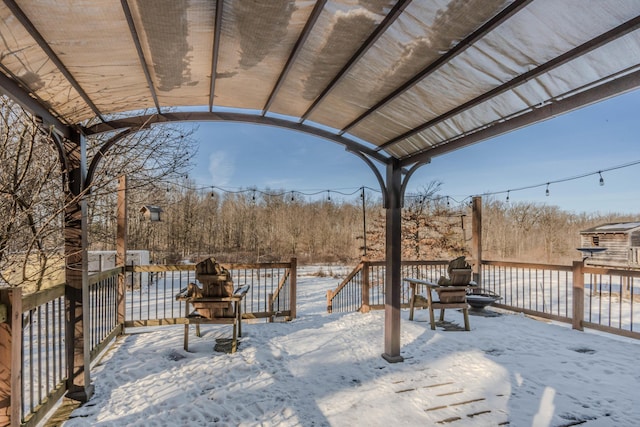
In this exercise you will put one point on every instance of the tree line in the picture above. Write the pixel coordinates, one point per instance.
(245, 226)
(258, 226)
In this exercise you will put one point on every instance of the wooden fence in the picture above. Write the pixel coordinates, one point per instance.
(597, 298)
(364, 288)
(34, 351)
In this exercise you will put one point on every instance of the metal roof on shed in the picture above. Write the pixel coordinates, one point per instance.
(616, 227)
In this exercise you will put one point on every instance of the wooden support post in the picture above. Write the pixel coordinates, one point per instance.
(329, 302)
(476, 239)
(186, 327)
(393, 276)
(578, 295)
(77, 274)
(293, 287)
(365, 308)
(625, 287)
(10, 357)
(270, 306)
(121, 249)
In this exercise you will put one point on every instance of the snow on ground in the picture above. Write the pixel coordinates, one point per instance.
(326, 370)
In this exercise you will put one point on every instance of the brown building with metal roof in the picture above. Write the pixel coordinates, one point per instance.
(621, 240)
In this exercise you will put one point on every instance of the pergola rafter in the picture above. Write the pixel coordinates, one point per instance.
(143, 60)
(297, 48)
(33, 31)
(394, 13)
(217, 28)
(583, 49)
(456, 50)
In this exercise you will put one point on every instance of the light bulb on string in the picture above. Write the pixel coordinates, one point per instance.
(448, 204)
(292, 196)
(329, 195)
(546, 193)
(508, 195)
(601, 178)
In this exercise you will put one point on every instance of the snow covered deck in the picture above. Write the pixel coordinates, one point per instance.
(325, 369)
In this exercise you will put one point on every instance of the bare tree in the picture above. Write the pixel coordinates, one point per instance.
(31, 201)
(151, 158)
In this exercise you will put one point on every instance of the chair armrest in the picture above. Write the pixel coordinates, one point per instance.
(241, 291)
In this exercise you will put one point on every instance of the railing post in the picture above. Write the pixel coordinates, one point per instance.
(121, 249)
(578, 295)
(10, 357)
(329, 303)
(364, 308)
(270, 305)
(476, 238)
(293, 284)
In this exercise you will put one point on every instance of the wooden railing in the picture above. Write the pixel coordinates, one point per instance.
(151, 291)
(33, 354)
(542, 290)
(364, 288)
(35, 350)
(597, 298)
(43, 364)
(103, 310)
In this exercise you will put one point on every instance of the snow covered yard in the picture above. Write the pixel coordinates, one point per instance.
(326, 369)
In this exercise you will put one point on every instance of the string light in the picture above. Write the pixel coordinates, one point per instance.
(419, 197)
(572, 178)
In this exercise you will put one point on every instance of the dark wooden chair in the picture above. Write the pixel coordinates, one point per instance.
(449, 297)
(218, 310)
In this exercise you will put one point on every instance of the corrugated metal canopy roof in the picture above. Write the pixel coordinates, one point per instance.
(393, 79)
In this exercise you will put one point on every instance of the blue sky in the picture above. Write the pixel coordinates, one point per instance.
(598, 137)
